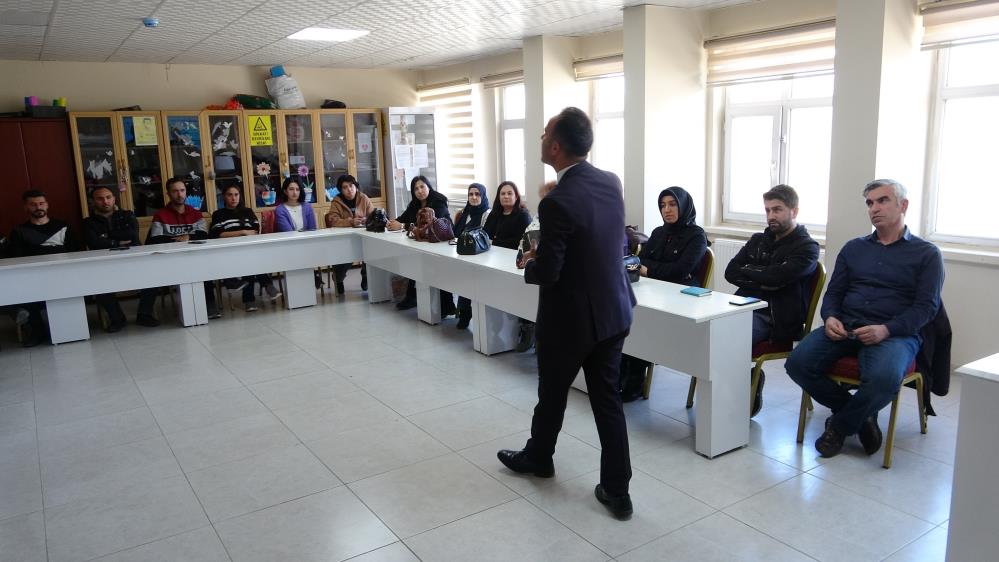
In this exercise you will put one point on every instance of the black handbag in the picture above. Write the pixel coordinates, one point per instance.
(633, 266)
(473, 241)
(376, 221)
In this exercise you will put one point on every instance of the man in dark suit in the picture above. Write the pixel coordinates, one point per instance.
(584, 307)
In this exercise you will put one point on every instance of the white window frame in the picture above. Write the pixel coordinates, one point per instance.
(941, 94)
(503, 125)
(780, 110)
(597, 116)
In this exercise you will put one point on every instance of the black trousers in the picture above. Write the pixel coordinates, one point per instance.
(109, 302)
(447, 299)
(558, 366)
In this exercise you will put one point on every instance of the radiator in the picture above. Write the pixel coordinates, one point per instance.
(725, 249)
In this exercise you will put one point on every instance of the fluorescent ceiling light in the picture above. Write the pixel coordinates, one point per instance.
(327, 34)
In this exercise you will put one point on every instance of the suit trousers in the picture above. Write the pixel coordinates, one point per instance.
(558, 365)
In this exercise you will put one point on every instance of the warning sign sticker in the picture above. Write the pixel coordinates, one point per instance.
(261, 132)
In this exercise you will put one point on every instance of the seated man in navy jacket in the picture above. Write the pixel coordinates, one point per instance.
(884, 289)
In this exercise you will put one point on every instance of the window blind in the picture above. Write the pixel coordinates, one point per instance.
(504, 79)
(950, 23)
(603, 67)
(801, 50)
(454, 106)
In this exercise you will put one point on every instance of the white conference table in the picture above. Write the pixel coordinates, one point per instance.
(974, 502)
(705, 337)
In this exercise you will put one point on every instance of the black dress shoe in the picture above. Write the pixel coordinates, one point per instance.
(518, 461)
(115, 326)
(830, 443)
(147, 321)
(463, 321)
(758, 397)
(619, 506)
(870, 435)
(406, 304)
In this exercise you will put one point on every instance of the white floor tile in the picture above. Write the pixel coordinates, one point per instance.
(659, 509)
(717, 538)
(14, 389)
(22, 538)
(718, 482)
(273, 366)
(367, 451)
(647, 429)
(202, 545)
(124, 519)
(206, 409)
(331, 525)
(828, 522)
(471, 423)
(96, 433)
(20, 479)
(395, 552)
(239, 487)
(228, 441)
(512, 531)
(299, 390)
(419, 497)
(334, 415)
(931, 547)
(187, 384)
(17, 417)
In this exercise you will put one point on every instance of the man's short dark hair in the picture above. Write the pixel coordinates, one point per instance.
(94, 191)
(573, 131)
(174, 180)
(783, 193)
(31, 194)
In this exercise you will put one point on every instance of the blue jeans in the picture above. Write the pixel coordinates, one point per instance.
(761, 325)
(882, 368)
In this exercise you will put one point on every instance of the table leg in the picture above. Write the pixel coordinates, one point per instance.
(301, 286)
(722, 417)
(428, 303)
(379, 284)
(67, 320)
(192, 308)
(495, 330)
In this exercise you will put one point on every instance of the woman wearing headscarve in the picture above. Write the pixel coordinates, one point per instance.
(673, 252)
(676, 248)
(472, 216)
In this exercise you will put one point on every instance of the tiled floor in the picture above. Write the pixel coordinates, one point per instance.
(351, 431)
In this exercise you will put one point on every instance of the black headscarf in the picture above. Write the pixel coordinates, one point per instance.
(471, 216)
(685, 206)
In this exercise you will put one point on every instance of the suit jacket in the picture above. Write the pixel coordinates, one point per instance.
(585, 296)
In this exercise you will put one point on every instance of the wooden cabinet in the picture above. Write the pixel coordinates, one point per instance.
(134, 153)
(37, 154)
(121, 151)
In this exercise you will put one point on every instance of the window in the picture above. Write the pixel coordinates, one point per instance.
(456, 155)
(963, 194)
(775, 132)
(608, 124)
(513, 165)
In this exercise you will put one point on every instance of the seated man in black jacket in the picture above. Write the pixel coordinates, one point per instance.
(39, 236)
(106, 228)
(775, 266)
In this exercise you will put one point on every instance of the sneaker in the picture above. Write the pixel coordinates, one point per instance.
(525, 340)
(214, 314)
(147, 321)
(234, 284)
(250, 307)
(272, 293)
(830, 443)
(758, 397)
(870, 435)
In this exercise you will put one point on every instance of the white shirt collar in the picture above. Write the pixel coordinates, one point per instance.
(560, 173)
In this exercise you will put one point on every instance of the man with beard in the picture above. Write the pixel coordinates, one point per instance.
(39, 236)
(109, 227)
(775, 266)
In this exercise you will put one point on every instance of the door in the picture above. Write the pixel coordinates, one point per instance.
(333, 145)
(185, 156)
(224, 149)
(96, 154)
(300, 146)
(366, 160)
(267, 160)
(141, 143)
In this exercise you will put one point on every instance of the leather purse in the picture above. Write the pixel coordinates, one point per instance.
(633, 266)
(473, 241)
(376, 221)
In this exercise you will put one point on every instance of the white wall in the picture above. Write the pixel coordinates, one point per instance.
(103, 86)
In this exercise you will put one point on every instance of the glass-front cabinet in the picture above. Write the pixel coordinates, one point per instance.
(185, 155)
(98, 161)
(224, 149)
(366, 154)
(134, 153)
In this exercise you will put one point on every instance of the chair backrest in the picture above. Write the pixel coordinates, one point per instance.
(267, 221)
(702, 274)
(815, 284)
